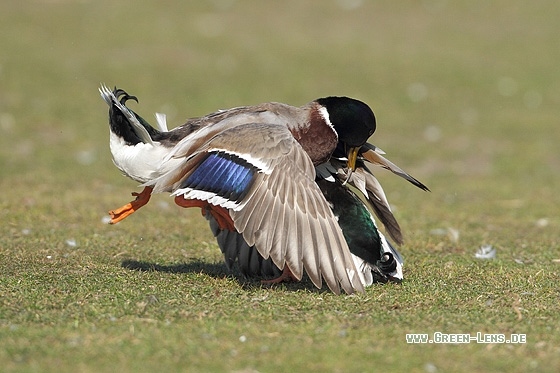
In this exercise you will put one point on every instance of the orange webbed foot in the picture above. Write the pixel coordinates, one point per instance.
(122, 212)
(219, 213)
(286, 276)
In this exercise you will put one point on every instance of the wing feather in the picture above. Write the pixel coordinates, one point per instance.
(303, 232)
(373, 155)
(311, 259)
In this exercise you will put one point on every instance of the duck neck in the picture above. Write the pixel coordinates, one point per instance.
(317, 135)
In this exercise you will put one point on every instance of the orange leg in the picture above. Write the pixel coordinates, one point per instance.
(219, 213)
(141, 199)
(286, 275)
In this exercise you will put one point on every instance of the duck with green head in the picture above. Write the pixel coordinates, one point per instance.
(260, 175)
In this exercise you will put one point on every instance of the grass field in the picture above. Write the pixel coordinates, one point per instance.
(467, 97)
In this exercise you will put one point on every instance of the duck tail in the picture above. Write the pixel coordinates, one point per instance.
(389, 268)
(123, 121)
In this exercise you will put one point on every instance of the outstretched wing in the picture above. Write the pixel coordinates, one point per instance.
(266, 181)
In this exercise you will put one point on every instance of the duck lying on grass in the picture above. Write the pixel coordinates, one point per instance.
(284, 188)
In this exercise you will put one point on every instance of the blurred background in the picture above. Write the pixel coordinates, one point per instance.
(466, 96)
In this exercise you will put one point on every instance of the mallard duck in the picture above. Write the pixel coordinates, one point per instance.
(259, 173)
(375, 258)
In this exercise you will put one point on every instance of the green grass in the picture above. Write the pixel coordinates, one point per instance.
(466, 97)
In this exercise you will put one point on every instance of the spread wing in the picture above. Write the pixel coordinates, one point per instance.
(266, 181)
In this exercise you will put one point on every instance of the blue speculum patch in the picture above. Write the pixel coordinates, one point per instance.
(225, 174)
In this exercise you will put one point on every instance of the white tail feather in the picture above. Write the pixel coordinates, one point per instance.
(162, 122)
